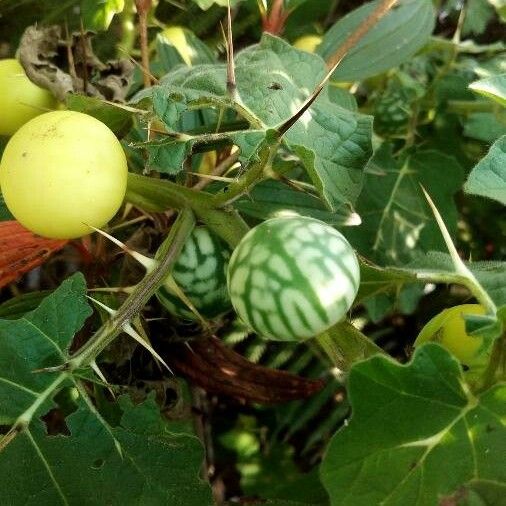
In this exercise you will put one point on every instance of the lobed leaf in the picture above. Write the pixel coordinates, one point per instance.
(383, 458)
(273, 81)
(141, 460)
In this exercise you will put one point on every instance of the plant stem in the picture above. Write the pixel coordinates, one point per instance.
(157, 196)
(497, 361)
(169, 251)
(345, 345)
(143, 7)
(262, 160)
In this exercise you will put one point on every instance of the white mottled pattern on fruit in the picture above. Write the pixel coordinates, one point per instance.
(207, 269)
(205, 244)
(200, 272)
(293, 277)
(279, 265)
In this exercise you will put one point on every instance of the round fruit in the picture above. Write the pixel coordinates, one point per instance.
(62, 171)
(177, 36)
(448, 328)
(20, 99)
(200, 272)
(292, 278)
(308, 43)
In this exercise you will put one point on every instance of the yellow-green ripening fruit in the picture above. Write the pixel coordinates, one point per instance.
(448, 328)
(20, 99)
(176, 35)
(308, 43)
(62, 171)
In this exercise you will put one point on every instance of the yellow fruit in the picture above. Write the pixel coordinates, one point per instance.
(62, 171)
(20, 99)
(177, 36)
(308, 43)
(448, 328)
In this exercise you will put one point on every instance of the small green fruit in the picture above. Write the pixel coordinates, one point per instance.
(292, 278)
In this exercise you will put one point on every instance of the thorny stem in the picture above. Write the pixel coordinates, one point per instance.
(139, 297)
(256, 169)
(143, 7)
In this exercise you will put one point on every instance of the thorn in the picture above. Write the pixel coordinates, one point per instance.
(8, 438)
(127, 328)
(148, 263)
(111, 311)
(172, 286)
(458, 263)
(56, 368)
(231, 83)
(114, 289)
(187, 344)
(100, 374)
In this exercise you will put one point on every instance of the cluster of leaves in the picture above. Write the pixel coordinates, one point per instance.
(405, 109)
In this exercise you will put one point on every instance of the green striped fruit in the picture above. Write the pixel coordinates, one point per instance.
(200, 271)
(292, 278)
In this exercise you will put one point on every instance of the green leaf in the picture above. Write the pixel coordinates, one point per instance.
(486, 126)
(38, 339)
(399, 34)
(273, 198)
(383, 458)
(140, 460)
(375, 280)
(397, 221)
(488, 178)
(118, 118)
(493, 87)
(273, 80)
(478, 14)
(17, 306)
(97, 14)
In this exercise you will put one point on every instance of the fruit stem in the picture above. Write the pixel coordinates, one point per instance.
(497, 362)
(168, 251)
(345, 345)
